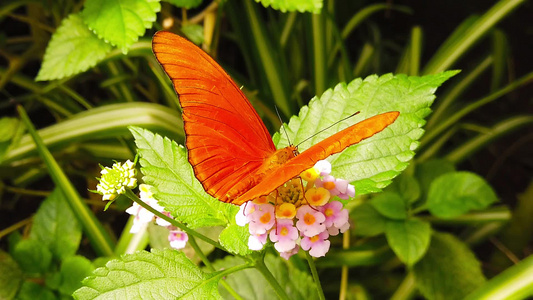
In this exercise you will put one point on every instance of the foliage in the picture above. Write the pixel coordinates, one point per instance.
(430, 187)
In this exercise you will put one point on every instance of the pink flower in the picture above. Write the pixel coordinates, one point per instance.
(319, 244)
(337, 187)
(335, 230)
(288, 254)
(284, 235)
(310, 221)
(257, 241)
(262, 219)
(177, 239)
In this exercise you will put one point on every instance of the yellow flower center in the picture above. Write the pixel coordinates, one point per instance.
(265, 218)
(329, 185)
(309, 219)
(285, 211)
(284, 231)
(329, 212)
(314, 238)
(317, 196)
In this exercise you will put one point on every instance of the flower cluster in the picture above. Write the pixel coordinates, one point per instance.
(176, 237)
(299, 215)
(116, 179)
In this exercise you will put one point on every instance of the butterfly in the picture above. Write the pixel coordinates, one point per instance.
(229, 148)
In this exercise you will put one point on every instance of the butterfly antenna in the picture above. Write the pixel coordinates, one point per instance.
(282, 125)
(324, 129)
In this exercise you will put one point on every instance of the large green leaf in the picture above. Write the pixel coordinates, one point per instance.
(160, 274)
(454, 194)
(449, 270)
(368, 221)
(120, 22)
(101, 122)
(56, 227)
(72, 50)
(313, 6)
(409, 239)
(10, 277)
(371, 164)
(32, 257)
(185, 3)
(73, 270)
(165, 166)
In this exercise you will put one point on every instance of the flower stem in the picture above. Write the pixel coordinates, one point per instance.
(312, 266)
(191, 232)
(261, 267)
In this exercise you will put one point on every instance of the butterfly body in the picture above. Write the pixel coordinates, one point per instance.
(229, 147)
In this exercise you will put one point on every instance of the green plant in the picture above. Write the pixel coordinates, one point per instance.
(98, 84)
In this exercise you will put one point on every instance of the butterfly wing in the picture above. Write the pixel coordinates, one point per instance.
(307, 159)
(225, 138)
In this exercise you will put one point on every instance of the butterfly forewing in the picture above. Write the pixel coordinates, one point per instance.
(225, 138)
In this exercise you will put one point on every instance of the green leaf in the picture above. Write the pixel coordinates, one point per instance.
(56, 227)
(390, 205)
(185, 3)
(194, 32)
(367, 220)
(120, 22)
(73, 49)
(235, 239)
(371, 164)
(409, 239)
(89, 125)
(313, 6)
(11, 129)
(406, 186)
(166, 168)
(250, 284)
(449, 270)
(73, 270)
(428, 171)
(31, 291)
(10, 277)
(160, 274)
(454, 194)
(32, 257)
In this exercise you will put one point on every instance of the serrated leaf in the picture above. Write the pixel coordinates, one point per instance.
(160, 274)
(313, 6)
(31, 291)
(250, 284)
(73, 270)
(166, 168)
(185, 3)
(73, 49)
(371, 164)
(56, 227)
(449, 270)
(454, 194)
(409, 239)
(120, 23)
(234, 239)
(367, 220)
(10, 277)
(390, 205)
(32, 257)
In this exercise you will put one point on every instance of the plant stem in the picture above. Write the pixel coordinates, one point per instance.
(191, 232)
(99, 238)
(261, 267)
(312, 266)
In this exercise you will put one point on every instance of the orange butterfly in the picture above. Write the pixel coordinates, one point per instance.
(229, 147)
